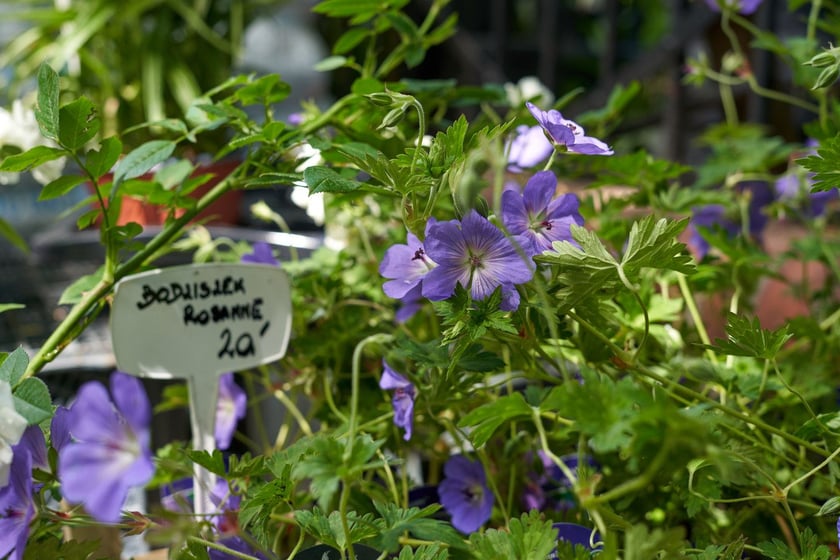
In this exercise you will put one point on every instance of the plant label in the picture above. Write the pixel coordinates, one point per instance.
(197, 322)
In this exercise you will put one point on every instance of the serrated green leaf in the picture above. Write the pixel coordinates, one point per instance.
(13, 367)
(324, 179)
(745, 337)
(99, 162)
(31, 158)
(61, 186)
(417, 522)
(825, 165)
(528, 537)
(142, 159)
(653, 244)
(266, 90)
(486, 419)
(213, 460)
(11, 235)
(32, 400)
(46, 112)
(79, 123)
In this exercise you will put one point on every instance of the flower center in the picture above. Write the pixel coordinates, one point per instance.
(474, 493)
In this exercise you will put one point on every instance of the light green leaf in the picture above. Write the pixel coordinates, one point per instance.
(7, 231)
(46, 112)
(330, 63)
(142, 159)
(32, 400)
(10, 306)
(13, 367)
(74, 292)
(487, 418)
(31, 158)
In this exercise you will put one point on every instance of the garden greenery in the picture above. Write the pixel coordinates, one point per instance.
(522, 325)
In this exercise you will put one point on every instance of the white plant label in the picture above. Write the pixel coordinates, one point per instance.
(197, 322)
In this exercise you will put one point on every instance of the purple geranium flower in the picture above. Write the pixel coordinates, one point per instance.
(236, 543)
(59, 428)
(538, 215)
(411, 303)
(549, 488)
(528, 148)
(566, 133)
(405, 265)
(16, 508)
(110, 449)
(577, 535)
(716, 216)
(33, 443)
(477, 255)
(230, 408)
(745, 7)
(464, 494)
(261, 255)
(403, 400)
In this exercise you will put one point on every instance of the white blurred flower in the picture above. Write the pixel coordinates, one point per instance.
(529, 88)
(313, 204)
(12, 426)
(19, 128)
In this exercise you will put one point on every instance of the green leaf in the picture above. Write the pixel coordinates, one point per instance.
(527, 537)
(7, 231)
(10, 306)
(31, 158)
(61, 186)
(142, 159)
(46, 112)
(486, 419)
(79, 124)
(213, 461)
(265, 90)
(330, 63)
(74, 292)
(745, 337)
(654, 244)
(32, 400)
(825, 165)
(417, 522)
(324, 179)
(99, 162)
(50, 546)
(350, 39)
(13, 367)
(330, 529)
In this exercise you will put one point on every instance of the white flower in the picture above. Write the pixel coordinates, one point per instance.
(19, 128)
(529, 88)
(12, 426)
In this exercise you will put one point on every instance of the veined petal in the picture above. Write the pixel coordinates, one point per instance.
(131, 400)
(538, 192)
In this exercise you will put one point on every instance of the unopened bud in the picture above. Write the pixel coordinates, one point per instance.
(821, 60)
(827, 77)
(393, 117)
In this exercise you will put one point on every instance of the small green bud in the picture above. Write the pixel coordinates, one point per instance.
(393, 117)
(827, 77)
(821, 60)
(380, 99)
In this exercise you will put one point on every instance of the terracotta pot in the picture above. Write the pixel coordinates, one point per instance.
(224, 211)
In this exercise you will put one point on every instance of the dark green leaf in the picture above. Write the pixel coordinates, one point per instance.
(324, 179)
(213, 461)
(745, 337)
(79, 124)
(13, 367)
(265, 90)
(46, 112)
(100, 162)
(417, 522)
(825, 165)
(142, 159)
(61, 186)
(32, 400)
(486, 419)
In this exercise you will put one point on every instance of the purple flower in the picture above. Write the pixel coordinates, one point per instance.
(796, 189)
(576, 534)
(405, 265)
(236, 543)
(528, 148)
(566, 133)
(230, 408)
(411, 304)
(110, 449)
(403, 399)
(745, 7)
(59, 428)
(262, 255)
(538, 216)
(16, 508)
(477, 255)
(33, 444)
(717, 216)
(464, 494)
(549, 487)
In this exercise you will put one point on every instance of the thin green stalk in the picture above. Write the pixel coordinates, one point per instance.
(345, 526)
(293, 409)
(635, 484)
(221, 548)
(354, 391)
(696, 317)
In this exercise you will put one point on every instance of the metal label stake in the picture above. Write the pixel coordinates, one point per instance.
(197, 322)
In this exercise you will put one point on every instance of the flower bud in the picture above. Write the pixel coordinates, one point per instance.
(827, 77)
(821, 60)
